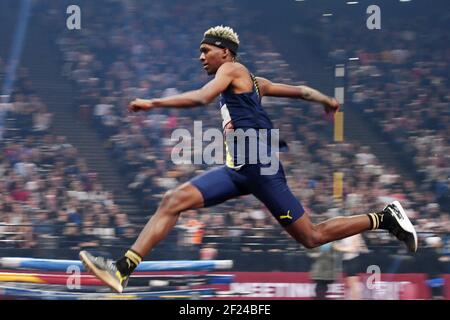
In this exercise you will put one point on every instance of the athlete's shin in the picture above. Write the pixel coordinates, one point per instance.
(156, 229)
(311, 236)
(162, 222)
(342, 227)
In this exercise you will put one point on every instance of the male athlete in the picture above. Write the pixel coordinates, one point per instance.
(240, 101)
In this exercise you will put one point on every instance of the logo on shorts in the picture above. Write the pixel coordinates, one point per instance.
(287, 215)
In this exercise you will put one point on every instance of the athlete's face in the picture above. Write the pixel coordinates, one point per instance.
(212, 57)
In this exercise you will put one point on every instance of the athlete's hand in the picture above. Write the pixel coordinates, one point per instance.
(140, 104)
(331, 106)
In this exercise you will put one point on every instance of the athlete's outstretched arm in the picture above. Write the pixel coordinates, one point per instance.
(200, 97)
(267, 88)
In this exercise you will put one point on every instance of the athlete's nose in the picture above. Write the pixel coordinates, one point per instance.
(202, 57)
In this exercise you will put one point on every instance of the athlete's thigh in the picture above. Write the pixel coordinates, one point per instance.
(217, 186)
(273, 191)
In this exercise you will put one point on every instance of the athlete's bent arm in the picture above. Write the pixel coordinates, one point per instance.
(200, 97)
(267, 88)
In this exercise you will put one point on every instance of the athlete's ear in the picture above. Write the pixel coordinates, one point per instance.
(225, 51)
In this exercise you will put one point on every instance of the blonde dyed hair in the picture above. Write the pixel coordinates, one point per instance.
(223, 32)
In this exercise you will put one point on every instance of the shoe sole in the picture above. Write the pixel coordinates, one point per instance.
(100, 274)
(406, 225)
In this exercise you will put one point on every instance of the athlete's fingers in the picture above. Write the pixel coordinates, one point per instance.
(336, 105)
(132, 107)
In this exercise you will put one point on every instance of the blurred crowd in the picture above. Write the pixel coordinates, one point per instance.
(401, 84)
(140, 54)
(49, 199)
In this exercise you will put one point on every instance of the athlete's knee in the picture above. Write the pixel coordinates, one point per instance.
(170, 201)
(313, 239)
(174, 201)
(306, 233)
(309, 243)
(167, 198)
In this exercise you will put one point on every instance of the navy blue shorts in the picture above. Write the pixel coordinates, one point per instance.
(223, 183)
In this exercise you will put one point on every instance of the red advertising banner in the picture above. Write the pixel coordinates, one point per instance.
(278, 286)
(391, 286)
(298, 285)
(273, 285)
(446, 292)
